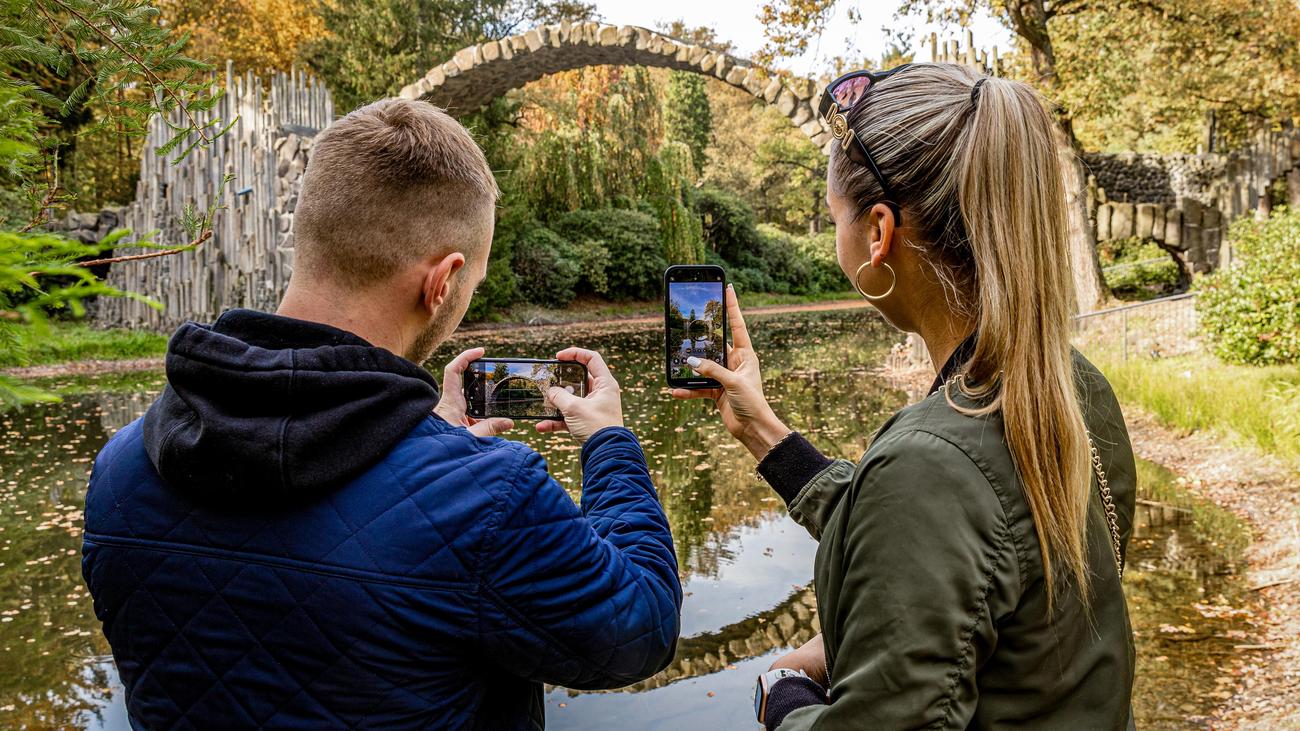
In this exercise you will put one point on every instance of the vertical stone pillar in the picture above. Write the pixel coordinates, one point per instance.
(1212, 235)
(1121, 220)
(1103, 222)
(1144, 221)
(1293, 186)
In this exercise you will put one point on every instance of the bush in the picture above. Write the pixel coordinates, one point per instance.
(1250, 311)
(634, 260)
(1137, 268)
(730, 229)
(819, 251)
(547, 267)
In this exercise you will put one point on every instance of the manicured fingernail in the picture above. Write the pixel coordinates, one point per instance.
(693, 362)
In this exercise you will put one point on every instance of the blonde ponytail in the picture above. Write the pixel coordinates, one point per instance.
(980, 177)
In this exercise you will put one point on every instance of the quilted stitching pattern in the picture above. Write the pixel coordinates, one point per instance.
(406, 599)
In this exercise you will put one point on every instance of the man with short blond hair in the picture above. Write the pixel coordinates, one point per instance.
(302, 533)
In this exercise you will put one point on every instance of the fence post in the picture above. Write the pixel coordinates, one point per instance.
(1125, 334)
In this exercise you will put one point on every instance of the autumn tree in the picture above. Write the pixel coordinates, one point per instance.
(687, 116)
(262, 36)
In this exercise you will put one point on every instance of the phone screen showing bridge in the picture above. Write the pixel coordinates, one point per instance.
(517, 389)
(694, 325)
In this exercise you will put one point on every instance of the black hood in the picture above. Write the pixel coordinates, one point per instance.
(265, 406)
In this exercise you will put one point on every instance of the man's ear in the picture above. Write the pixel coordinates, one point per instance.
(436, 283)
(883, 232)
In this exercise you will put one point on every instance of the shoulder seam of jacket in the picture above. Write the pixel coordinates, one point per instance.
(1019, 549)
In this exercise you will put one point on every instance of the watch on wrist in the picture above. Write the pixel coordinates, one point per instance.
(764, 687)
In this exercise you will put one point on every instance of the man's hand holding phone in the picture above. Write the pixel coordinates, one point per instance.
(600, 408)
(741, 403)
(452, 406)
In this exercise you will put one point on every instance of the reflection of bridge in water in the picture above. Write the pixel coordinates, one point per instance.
(789, 624)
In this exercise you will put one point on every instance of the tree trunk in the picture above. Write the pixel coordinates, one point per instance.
(1029, 19)
(1089, 290)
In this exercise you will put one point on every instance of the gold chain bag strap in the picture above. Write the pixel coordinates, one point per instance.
(1112, 517)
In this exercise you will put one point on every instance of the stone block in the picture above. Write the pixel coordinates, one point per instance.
(1174, 228)
(697, 54)
(108, 219)
(722, 66)
(607, 36)
(785, 102)
(1144, 222)
(804, 89)
(490, 51)
(467, 58)
(802, 113)
(754, 82)
(1192, 211)
(450, 69)
(812, 128)
(1103, 222)
(435, 77)
(772, 89)
(669, 48)
(736, 76)
(706, 63)
(507, 50)
(1121, 220)
(642, 39)
(519, 44)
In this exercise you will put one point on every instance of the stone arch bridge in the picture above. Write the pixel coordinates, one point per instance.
(478, 74)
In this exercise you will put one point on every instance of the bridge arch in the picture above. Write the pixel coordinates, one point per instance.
(477, 74)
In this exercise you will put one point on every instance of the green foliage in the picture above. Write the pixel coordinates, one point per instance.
(633, 241)
(1137, 268)
(688, 117)
(547, 268)
(1255, 405)
(728, 223)
(1250, 311)
(60, 58)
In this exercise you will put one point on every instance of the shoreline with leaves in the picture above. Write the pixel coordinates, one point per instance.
(87, 352)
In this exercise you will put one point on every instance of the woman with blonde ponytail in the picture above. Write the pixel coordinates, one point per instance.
(969, 567)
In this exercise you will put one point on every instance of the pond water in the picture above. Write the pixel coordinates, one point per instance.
(745, 565)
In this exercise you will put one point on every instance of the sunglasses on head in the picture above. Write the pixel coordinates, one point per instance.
(839, 97)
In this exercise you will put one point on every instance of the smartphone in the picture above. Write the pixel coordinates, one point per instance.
(695, 321)
(516, 387)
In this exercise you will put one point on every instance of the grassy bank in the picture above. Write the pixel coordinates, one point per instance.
(64, 342)
(1250, 405)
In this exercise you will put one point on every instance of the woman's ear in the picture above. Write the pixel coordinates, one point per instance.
(882, 233)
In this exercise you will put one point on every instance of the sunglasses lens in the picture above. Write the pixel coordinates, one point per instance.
(848, 92)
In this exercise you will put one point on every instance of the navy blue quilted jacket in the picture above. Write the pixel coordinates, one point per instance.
(288, 539)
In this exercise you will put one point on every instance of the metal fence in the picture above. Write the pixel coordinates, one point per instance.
(1153, 329)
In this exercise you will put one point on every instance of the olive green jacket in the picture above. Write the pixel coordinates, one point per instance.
(930, 582)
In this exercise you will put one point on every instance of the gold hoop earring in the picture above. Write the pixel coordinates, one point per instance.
(874, 297)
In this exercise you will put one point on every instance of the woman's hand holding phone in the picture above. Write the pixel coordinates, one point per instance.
(586, 415)
(744, 409)
(451, 403)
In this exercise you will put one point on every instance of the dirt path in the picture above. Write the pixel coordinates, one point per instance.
(1266, 493)
(96, 367)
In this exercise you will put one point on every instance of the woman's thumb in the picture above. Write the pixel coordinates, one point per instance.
(710, 369)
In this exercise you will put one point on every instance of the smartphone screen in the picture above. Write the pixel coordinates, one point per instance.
(695, 321)
(516, 387)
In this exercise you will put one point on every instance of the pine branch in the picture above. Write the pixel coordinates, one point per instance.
(154, 79)
(151, 255)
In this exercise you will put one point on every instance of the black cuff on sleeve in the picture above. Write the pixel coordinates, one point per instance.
(786, 695)
(791, 464)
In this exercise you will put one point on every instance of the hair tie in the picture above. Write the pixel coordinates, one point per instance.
(975, 90)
